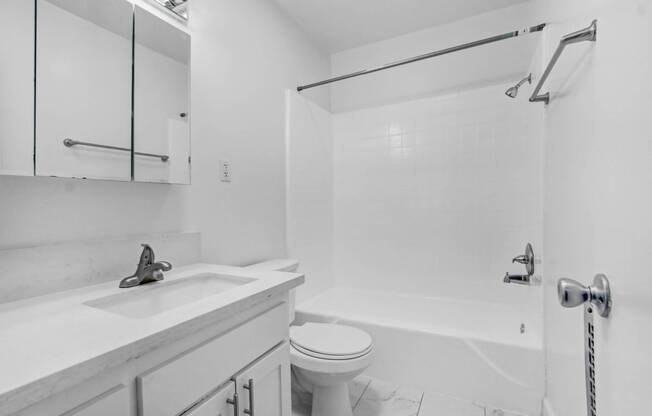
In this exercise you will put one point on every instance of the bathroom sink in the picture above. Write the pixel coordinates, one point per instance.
(154, 298)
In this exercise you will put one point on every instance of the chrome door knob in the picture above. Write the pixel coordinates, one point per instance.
(572, 293)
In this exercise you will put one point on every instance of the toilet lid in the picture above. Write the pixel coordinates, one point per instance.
(330, 340)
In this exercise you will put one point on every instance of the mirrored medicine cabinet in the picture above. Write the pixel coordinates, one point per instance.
(94, 89)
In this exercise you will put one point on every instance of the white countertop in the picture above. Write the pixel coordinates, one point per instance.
(53, 342)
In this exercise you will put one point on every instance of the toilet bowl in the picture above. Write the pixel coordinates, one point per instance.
(326, 356)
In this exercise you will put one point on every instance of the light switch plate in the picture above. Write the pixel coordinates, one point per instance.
(225, 171)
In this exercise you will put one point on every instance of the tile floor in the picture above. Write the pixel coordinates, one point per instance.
(371, 397)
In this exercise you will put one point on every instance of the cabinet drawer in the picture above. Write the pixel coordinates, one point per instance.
(113, 402)
(174, 386)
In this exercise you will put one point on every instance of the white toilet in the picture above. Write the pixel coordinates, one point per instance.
(327, 356)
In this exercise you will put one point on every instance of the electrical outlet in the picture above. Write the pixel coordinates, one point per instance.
(225, 171)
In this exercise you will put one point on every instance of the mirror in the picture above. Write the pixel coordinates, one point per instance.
(17, 87)
(105, 95)
(84, 88)
(178, 7)
(161, 101)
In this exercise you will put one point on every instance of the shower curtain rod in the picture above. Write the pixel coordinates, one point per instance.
(508, 35)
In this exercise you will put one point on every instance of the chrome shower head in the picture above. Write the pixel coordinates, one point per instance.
(512, 92)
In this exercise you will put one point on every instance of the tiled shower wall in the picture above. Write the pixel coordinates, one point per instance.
(436, 196)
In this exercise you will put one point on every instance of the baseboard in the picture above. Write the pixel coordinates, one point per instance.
(548, 410)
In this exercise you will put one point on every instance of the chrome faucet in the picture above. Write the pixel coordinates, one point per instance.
(527, 260)
(148, 271)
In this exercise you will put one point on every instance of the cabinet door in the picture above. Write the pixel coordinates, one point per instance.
(161, 100)
(17, 88)
(220, 403)
(83, 94)
(264, 387)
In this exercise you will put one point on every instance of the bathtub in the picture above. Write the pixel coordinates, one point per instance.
(470, 350)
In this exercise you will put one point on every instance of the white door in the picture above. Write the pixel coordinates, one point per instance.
(598, 202)
(264, 387)
(221, 403)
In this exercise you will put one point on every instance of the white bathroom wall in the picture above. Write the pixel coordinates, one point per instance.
(506, 61)
(309, 146)
(436, 196)
(245, 55)
(597, 201)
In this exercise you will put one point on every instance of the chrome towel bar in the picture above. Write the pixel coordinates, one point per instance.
(585, 35)
(71, 143)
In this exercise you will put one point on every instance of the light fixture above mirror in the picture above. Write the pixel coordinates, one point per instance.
(178, 7)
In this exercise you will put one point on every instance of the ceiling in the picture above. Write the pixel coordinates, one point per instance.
(337, 25)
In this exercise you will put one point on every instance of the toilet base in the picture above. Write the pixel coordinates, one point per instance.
(331, 400)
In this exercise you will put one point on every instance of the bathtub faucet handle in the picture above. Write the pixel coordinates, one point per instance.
(527, 260)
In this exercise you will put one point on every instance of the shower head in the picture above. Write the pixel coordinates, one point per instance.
(512, 92)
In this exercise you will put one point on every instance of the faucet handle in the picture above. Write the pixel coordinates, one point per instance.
(157, 275)
(526, 259)
(147, 256)
(166, 266)
(522, 259)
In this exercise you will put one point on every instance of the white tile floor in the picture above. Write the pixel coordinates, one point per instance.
(371, 397)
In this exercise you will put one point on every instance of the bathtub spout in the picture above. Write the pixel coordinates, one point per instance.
(520, 279)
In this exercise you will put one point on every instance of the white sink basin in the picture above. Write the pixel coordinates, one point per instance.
(154, 298)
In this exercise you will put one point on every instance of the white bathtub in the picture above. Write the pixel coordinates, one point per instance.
(470, 350)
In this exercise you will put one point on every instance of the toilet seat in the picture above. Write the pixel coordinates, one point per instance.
(330, 357)
(330, 348)
(330, 341)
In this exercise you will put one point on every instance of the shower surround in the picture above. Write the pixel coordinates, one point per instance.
(423, 205)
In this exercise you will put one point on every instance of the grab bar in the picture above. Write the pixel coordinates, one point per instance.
(587, 34)
(71, 143)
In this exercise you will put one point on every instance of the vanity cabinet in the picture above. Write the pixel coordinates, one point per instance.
(199, 374)
(174, 386)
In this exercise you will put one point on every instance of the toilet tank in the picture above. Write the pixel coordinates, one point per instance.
(281, 265)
